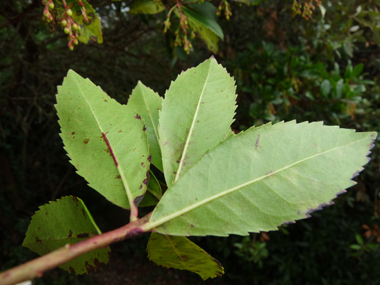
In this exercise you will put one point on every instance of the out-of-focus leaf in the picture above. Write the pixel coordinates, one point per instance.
(249, 2)
(357, 70)
(349, 48)
(181, 253)
(146, 7)
(61, 222)
(206, 27)
(325, 88)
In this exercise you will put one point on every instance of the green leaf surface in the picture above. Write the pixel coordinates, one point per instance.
(181, 253)
(61, 222)
(249, 2)
(196, 115)
(262, 178)
(153, 193)
(91, 31)
(147, 104)
(208, 29)
(146, 7)
(105, 141)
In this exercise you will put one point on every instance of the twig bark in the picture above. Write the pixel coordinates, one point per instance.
(35, 268)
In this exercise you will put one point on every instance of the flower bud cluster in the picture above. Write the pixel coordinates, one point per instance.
(181, 39)
(224, 5)
(70, 27)
(308, 8)
(49, 6)
(182, 30)
(83, 10)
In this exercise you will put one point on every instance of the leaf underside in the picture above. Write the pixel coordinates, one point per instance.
(106, 141)
(181, 253)
(262, 178)
(196, 115)
(153, 193)
(64, 221)
(147, 104)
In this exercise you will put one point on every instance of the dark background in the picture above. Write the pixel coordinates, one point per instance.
(285, 68)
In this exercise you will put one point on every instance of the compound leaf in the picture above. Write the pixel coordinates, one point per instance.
(105, 141)
(196, 115)
(181, 253)
(61, 222)
(147, 104)
(262, 178)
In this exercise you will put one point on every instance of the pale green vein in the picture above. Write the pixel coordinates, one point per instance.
(124, 180)
(191, 130)
(154, 224)
(175, 249)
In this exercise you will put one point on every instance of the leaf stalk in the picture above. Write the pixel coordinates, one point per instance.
(35, 268)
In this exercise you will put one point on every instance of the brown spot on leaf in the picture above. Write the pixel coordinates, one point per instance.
(38, 240)
(105, 100)
(144, 128)
(110, 149)
(117, 177)
(137, 117)
(84, 214)
(73, 133)
(174, 172)
(96, 262)
(150, 158)
(257, 142)
(138, 199)
(84, 235)
(89, 267)
(146, 180)
(120, 131)
(72, 271)
(70, 234)
(86, 141)
(92, 40)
